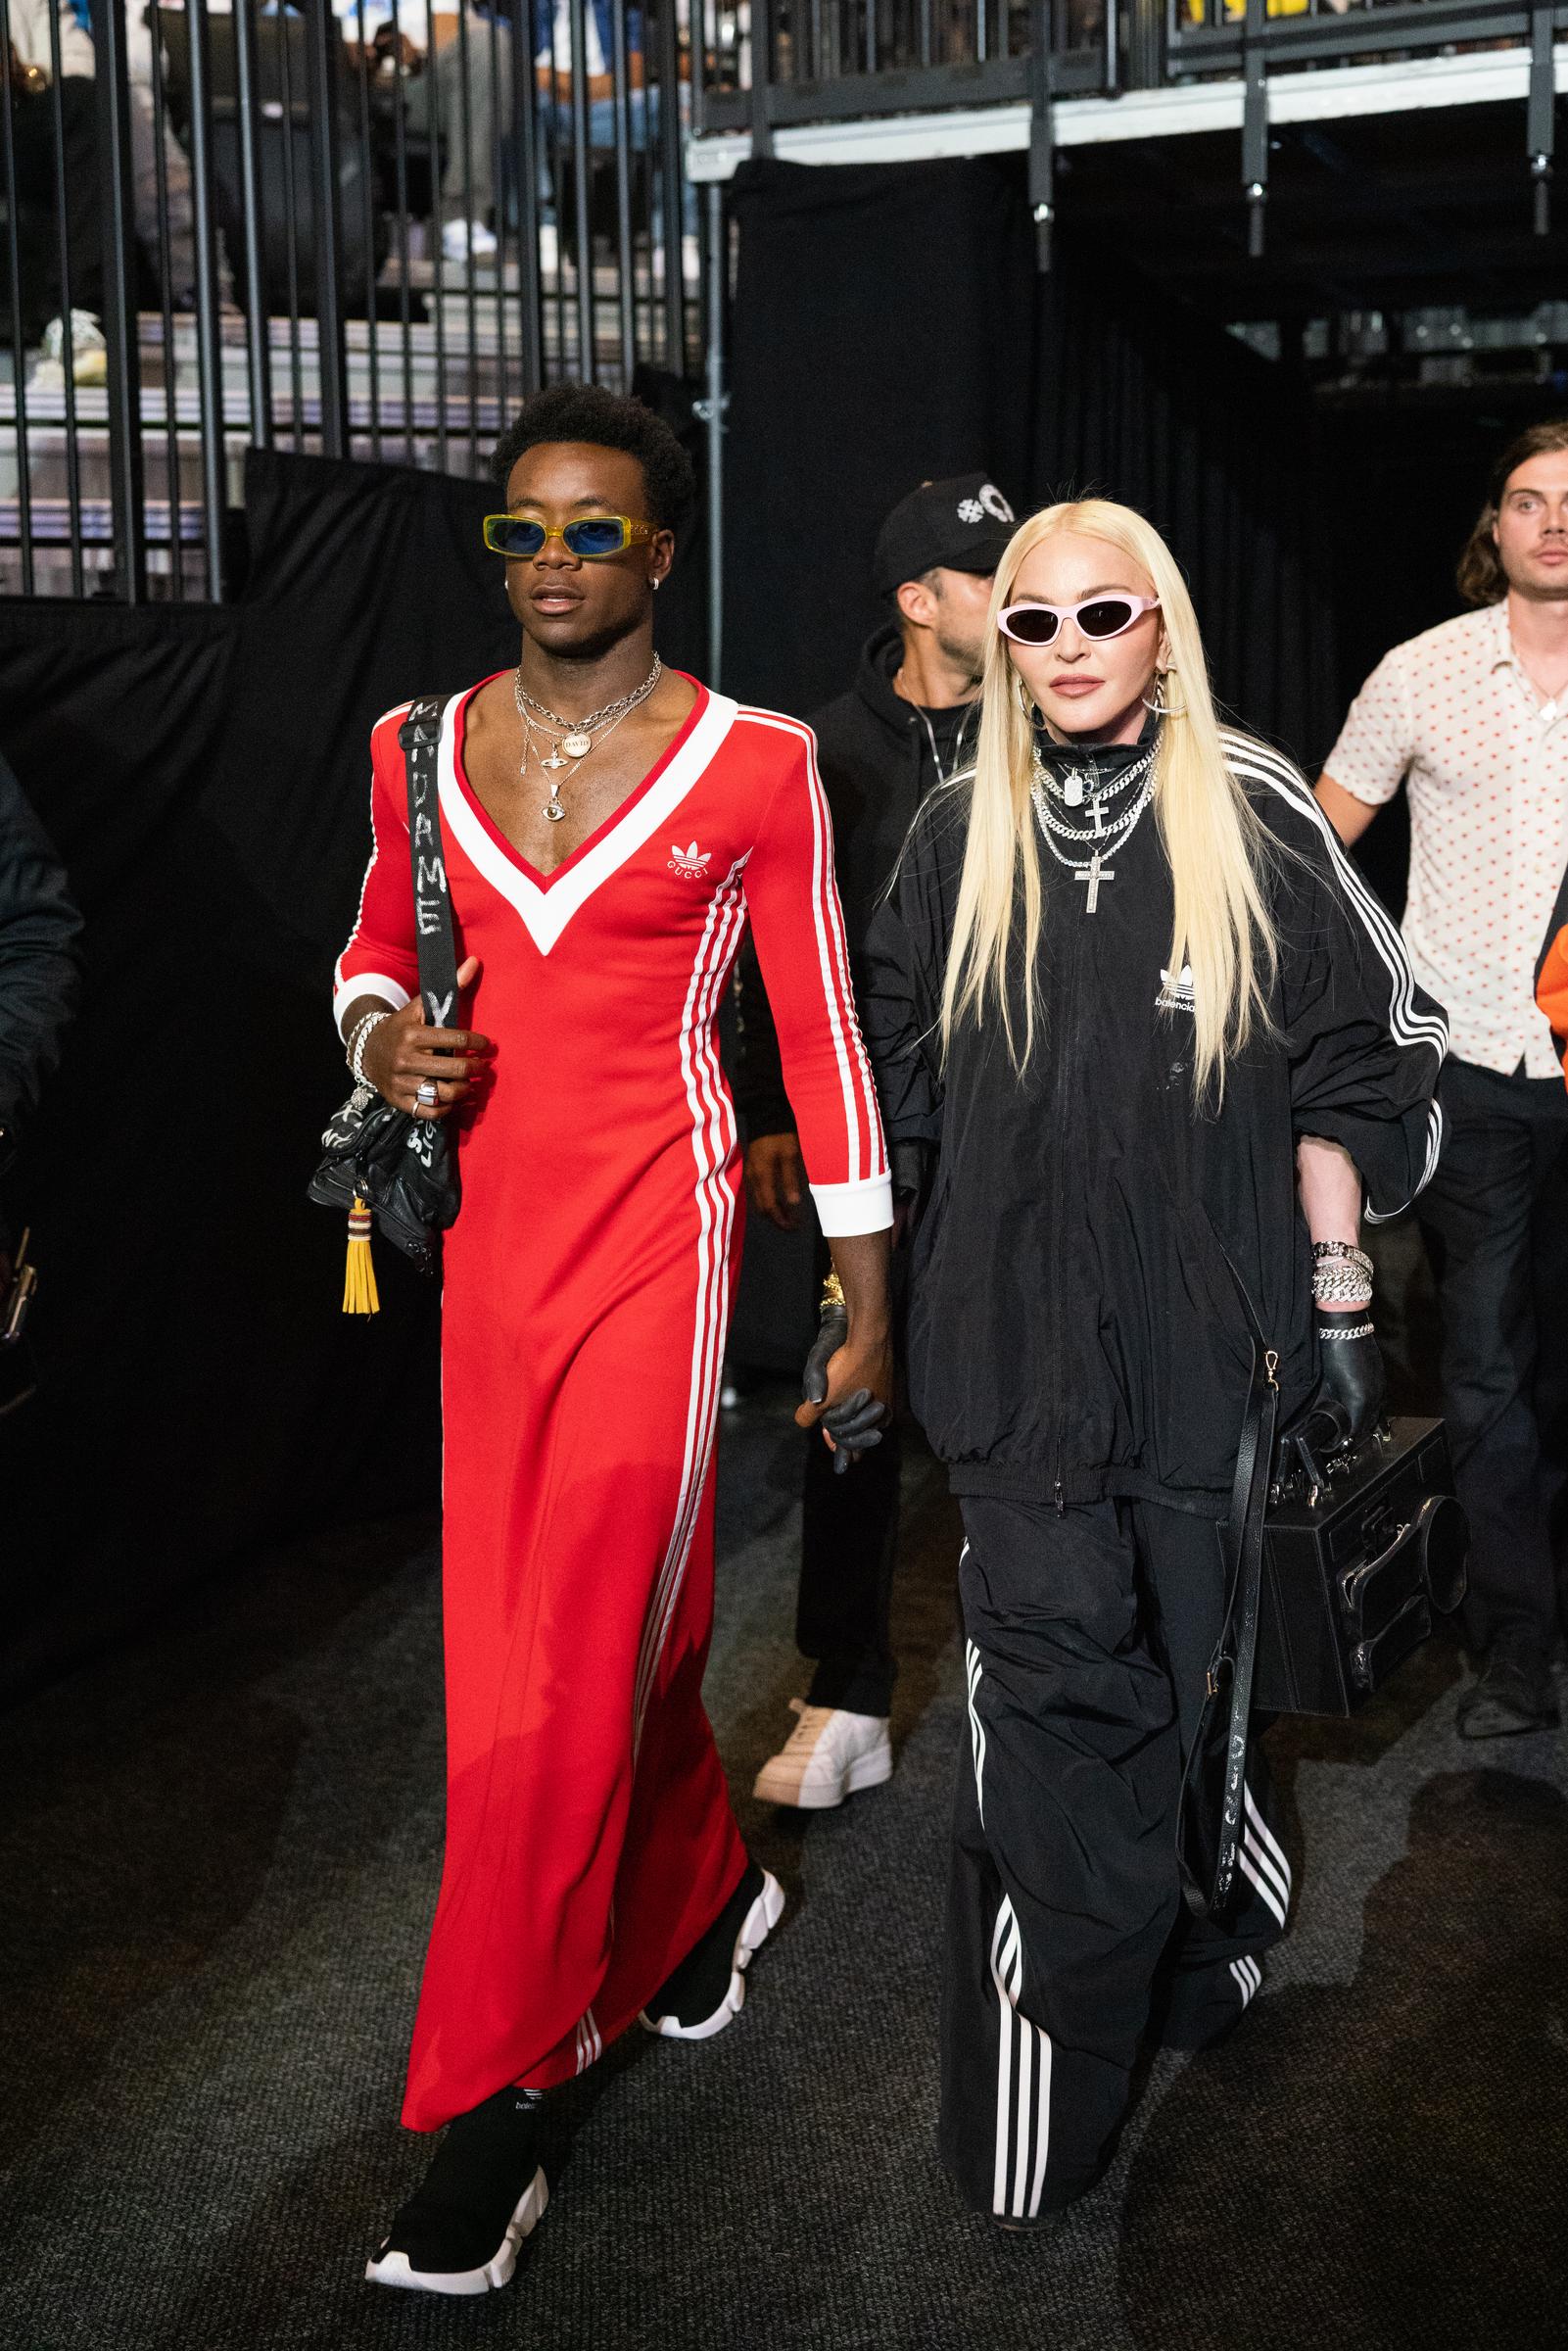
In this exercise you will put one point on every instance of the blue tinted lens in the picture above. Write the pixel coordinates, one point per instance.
(509, 535)
(595, 535)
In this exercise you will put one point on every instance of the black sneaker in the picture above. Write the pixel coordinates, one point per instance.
(709, 1987)
(484, 2193)
(1044, 2224)
(1202, 2006)
(1514, 1693)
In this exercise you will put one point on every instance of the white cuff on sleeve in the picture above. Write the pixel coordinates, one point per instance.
(846, 1208)
(367, 984)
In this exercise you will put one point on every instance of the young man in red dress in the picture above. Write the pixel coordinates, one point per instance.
(610, 828)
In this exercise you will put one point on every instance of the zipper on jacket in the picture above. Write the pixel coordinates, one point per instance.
(1066, 1097)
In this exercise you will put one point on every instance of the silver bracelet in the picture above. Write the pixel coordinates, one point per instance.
(1359, 1330)
(359, 1038)
(1346, 1285)
(1342, 1252)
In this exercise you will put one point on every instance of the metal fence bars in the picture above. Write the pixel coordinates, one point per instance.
(363, 231)
(771, 66)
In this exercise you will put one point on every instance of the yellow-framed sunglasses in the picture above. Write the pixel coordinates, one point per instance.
(591, 536)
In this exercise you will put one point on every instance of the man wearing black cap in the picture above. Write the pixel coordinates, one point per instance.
(909, 722)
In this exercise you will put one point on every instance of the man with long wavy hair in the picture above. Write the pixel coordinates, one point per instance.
(1473, 715)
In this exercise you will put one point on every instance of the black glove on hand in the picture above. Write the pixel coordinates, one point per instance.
(910, 1164)
(1352, 1386)
(855, 1423)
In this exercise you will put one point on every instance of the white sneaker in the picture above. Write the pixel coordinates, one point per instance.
(89, 355)
(828, 1756)
(467, 240)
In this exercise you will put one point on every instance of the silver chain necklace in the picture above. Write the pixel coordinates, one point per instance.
(1069, 790)
(1100, 844)
(573, 737)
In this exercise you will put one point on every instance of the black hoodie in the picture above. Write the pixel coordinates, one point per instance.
(880, 756)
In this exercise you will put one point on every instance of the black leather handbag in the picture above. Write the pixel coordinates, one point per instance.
(1360, 1555)
(1335, 1564)
(381, 1164)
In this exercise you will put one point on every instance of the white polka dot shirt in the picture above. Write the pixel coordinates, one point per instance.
(1487, 760)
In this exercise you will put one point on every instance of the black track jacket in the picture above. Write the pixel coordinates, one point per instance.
(1074, 1330)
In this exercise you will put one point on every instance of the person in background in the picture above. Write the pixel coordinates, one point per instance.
(1474, 715)
(169, 223)
(907, 722)
(52, 67)
(461, 97)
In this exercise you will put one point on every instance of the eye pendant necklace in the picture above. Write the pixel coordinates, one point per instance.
(572, 739)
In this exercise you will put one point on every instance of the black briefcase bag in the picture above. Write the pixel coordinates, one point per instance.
(1360, 1550)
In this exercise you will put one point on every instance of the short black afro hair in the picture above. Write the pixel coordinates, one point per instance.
(608, 419)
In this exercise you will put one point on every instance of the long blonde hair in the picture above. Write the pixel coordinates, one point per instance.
(1213, 842)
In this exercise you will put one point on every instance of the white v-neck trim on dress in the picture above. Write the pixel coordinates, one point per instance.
(547, 910)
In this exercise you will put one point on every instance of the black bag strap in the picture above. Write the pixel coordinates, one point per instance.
(419, 737)
(1235, 1652)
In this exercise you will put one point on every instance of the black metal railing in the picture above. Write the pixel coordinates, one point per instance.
(368, 228)
(771, 66)
(364, 230)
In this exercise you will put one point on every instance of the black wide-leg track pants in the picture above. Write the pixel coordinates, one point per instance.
(1088, 1633)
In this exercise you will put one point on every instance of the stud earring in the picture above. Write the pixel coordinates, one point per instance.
(658, 583)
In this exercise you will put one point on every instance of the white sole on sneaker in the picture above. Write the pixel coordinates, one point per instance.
(867, 1771)
(393, 2269)
(759, 1922)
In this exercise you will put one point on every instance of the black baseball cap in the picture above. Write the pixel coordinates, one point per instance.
(962, 525)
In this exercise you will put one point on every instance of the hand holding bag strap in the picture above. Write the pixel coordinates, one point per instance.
(1235, 1653)
(419, 737)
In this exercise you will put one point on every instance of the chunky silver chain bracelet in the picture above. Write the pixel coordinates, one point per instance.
(1356, 1330)
(359, 1038)
(1345, 1286)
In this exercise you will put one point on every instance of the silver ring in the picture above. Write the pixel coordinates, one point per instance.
(428, 1094)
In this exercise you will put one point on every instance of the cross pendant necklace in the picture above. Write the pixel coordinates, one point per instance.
(1094, 873)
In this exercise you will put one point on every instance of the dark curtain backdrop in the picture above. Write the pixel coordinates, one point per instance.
(205, 776)
(891, 327)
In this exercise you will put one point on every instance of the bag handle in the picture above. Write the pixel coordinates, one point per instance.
(419, 737)
(1235, 1652)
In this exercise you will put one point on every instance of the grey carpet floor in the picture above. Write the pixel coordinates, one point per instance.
(218, 1856)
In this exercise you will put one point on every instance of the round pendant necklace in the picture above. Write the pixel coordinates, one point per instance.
(573, 737)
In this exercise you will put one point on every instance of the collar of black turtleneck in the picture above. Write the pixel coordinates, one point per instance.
(1108, 760)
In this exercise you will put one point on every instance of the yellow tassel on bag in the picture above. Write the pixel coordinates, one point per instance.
(360, 1275)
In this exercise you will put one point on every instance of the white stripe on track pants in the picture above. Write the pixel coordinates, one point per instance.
(1089, 1632)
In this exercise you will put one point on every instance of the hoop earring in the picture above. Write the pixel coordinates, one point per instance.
(1159, 705)
(1025, 699)
(658, 582)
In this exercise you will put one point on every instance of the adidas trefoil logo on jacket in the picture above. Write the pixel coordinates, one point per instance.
(1175, 994)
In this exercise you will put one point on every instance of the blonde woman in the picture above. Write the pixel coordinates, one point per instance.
(1146, 1018)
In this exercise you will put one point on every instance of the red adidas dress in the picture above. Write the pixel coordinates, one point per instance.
(588, 1285)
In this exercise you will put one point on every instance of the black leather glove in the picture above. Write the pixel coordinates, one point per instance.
(854, 1423)
(910, 1165)
(1352, 1386)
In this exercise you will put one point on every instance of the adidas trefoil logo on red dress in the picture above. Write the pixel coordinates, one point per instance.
(690, 862)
